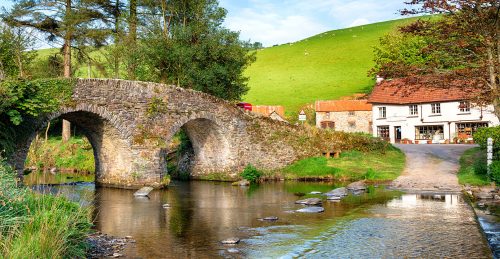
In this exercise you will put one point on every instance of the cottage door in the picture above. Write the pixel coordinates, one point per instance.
(397, 134)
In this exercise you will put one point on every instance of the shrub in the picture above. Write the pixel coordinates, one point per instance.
(495, 171)
(480, 167)
(370, 174)
(251, 173)
(482, 135)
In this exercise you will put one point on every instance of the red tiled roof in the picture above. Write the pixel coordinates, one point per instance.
(343, 105)
(266, 110)
(399, 91)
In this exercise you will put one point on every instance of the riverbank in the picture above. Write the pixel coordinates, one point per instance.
(39, 226)
(52, 154)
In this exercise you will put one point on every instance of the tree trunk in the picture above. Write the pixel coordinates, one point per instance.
(66, 132)
(66, 129)
(132, 38)
(493, 78)
(47, 132)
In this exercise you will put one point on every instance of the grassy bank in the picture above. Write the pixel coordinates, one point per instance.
(39, 226)
(74, 155)
(473, 169)
(351, 165)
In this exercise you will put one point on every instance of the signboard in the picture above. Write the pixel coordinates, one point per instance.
(302, 116)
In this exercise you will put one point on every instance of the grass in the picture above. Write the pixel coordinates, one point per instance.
(76, 154)
(467, 174)
(326, 66)
(352, 165)
(39, 226)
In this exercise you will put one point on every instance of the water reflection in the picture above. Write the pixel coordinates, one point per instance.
(376, 224)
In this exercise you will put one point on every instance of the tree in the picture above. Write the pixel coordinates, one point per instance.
(185, 44)
(462, 43)
(76, 22)
(14, 53)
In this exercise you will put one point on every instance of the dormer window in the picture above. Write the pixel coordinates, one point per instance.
(464, 106)
(436, 108)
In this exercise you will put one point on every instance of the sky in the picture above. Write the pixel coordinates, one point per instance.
(281, 21)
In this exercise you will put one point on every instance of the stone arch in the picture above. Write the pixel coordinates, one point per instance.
(212, 147)
(111, 147)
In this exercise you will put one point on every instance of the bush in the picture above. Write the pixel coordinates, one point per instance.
(251, 173)
(482, 135)
(480, 166)
(495, 171)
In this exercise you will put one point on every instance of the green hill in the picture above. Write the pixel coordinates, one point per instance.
(326, 66)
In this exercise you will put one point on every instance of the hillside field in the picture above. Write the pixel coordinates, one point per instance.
(326, 66)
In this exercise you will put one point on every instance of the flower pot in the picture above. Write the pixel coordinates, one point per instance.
(429, 141)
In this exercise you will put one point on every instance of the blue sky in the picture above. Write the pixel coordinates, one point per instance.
(281, 21)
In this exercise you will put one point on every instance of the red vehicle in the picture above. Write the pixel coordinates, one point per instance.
(245, 106)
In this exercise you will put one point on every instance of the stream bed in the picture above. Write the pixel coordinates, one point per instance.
(376, 224)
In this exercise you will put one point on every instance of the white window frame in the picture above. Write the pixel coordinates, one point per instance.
(467, 107)
(382, 112)
(436, 108)
(413, 109)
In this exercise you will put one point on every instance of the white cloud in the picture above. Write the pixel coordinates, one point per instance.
(280, 21)
(358, 22)
(271, 28)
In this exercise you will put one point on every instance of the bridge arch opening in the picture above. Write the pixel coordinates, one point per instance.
(90, 132)
(198, 147)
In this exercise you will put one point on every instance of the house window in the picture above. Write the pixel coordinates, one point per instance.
(352, 113)
(382, 112)
(383, 132)
(464, 106)
(467, 130)
(436, 108)
(429, 132)
(328, 125)
(413, 109)
(352, 124)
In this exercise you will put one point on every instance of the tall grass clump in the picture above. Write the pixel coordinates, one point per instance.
(39, 226)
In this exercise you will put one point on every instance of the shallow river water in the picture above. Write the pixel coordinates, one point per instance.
(378, 224)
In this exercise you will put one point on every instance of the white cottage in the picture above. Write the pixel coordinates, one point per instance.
(426, 114)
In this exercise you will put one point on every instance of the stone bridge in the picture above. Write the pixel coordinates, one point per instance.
(130, 125)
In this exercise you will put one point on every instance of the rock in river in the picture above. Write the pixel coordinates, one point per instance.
(241, 183)
(231, 241)
(311, 210)
(315, 192)
(144, 191)
(339, 192)
(309, 201)
(272, 218)
(357, 186)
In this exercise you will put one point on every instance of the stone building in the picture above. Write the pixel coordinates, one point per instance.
(344, 115)
(273, 112)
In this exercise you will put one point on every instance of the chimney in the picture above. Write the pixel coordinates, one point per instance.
(379, 79)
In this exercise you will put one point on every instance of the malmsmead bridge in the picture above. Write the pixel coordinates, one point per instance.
(130, 125)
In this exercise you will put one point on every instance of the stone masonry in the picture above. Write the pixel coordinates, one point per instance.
(130, 125)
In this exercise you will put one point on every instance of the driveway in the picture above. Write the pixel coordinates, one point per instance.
(430, 168)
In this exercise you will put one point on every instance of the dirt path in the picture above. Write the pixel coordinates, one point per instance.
(430, 168)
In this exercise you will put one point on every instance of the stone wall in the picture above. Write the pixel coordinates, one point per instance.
(355, 121)
(130, 125)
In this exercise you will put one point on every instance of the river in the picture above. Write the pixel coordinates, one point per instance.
(377, 224)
